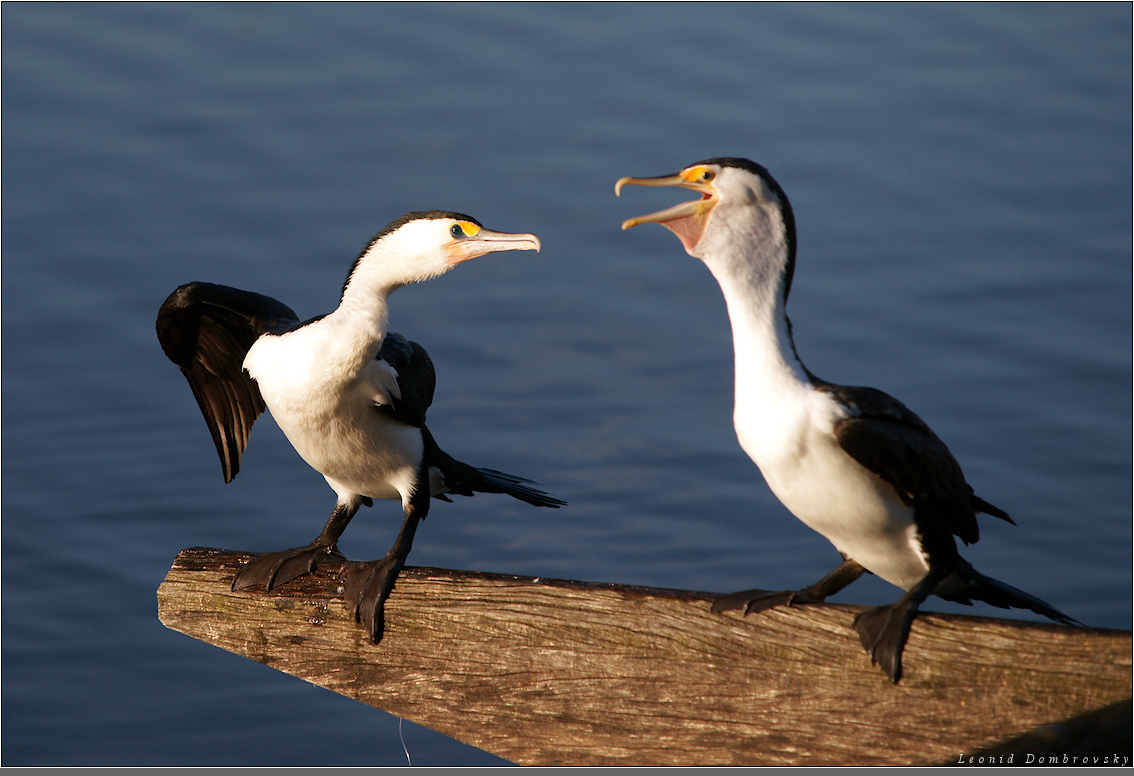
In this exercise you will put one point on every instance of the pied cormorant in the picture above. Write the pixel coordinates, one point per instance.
(852, 463)
(350, 395)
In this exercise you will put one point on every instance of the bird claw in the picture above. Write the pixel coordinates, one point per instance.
(754, 601)
(366, 586)
(273, 569)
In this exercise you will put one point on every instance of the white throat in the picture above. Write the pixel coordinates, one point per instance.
(360, 321)
(773, 394)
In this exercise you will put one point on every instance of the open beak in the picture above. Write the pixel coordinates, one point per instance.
(488, 241)
(686, 220)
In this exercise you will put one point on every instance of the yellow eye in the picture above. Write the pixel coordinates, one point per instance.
(463, 229)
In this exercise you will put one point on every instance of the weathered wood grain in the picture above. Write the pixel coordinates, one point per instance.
(553, 672)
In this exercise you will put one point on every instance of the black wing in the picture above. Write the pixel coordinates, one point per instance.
(207, 330)
(416, 379)
(890, 440)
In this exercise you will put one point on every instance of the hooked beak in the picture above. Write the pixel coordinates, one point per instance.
(488, 241)
(687, 220)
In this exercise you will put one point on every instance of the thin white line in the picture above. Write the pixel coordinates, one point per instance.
(403, 740)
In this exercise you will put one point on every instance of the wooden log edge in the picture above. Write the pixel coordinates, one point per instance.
(558, 672)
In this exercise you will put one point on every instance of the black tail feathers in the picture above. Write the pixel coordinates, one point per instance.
(492, 481)
(996, 593)
(464, 480)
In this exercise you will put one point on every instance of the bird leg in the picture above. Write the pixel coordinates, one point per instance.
(759, 600)
(884, 629)
(275, 568)
(367, 585)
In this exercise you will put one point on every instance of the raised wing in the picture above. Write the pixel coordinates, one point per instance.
(207, 329)
(416, 379)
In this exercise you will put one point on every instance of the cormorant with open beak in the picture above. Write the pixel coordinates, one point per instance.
(852, 463)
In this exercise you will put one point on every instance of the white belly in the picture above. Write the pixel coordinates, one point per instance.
(363, 452)
(834, 495)
(331, 420)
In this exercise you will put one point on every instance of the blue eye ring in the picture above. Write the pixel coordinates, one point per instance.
(457, 231)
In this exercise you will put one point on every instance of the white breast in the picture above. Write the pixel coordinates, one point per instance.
(793, 444)
(325, 405)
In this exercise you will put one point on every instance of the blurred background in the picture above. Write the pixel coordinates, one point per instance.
(961, 179)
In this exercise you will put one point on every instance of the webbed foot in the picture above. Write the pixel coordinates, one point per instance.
(752, 601)
(276, 568)
(883, 632)
(884, 629)
(366, 586)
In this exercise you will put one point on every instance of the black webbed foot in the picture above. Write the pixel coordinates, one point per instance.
(883, 632)
(884, 629)
(753, 601)
(366, 586)
(276, 568)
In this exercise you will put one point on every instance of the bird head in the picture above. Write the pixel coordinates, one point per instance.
(742, 213)
(420, 246)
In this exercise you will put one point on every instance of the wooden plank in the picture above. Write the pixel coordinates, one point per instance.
(554, 672)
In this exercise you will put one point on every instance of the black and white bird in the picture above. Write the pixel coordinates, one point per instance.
(350, 396)
(852, 463)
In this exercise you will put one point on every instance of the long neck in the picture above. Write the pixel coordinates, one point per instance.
(753, 286)
(772, 400)
(363, 313)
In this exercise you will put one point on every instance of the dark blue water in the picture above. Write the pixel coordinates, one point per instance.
(961, 177)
